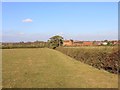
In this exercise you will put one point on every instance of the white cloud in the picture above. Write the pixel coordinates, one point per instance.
(28, 20)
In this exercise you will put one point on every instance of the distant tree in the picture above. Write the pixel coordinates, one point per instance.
(105, 40)
(55, 41)
(108, 42)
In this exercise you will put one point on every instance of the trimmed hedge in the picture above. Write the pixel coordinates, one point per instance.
(101, 57)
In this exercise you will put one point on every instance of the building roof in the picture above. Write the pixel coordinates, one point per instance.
(87, 43)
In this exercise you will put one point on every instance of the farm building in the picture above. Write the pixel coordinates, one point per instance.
(98, 43)
(68, 43)
(77, 43)
(83, 43)
(104, 43)
(115, 42)
(87, 43)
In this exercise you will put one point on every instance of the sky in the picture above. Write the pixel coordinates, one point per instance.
(60, 0)
(31, 21)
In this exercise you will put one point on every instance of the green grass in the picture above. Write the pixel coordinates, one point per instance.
(47, 68)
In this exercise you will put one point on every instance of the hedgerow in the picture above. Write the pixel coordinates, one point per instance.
(101, 57)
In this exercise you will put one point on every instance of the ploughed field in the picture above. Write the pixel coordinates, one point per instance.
(48, 68)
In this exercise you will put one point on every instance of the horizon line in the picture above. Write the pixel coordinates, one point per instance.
(63, 39)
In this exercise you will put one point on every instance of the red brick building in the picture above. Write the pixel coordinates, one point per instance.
(77, 43)
(87, 43)
(68, 43)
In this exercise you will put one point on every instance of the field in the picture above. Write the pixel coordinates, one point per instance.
(48, 68)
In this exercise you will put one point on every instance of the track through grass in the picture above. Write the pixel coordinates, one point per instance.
(47, 68)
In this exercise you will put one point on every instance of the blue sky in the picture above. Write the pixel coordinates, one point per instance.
(30, 21)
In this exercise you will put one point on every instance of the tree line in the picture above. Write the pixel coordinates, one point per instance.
(53, 42)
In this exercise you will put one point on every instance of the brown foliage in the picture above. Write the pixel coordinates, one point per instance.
(99, 57)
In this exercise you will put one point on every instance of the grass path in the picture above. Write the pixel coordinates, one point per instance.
(47, 68)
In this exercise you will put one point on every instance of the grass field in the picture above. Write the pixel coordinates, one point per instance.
(48, 68)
